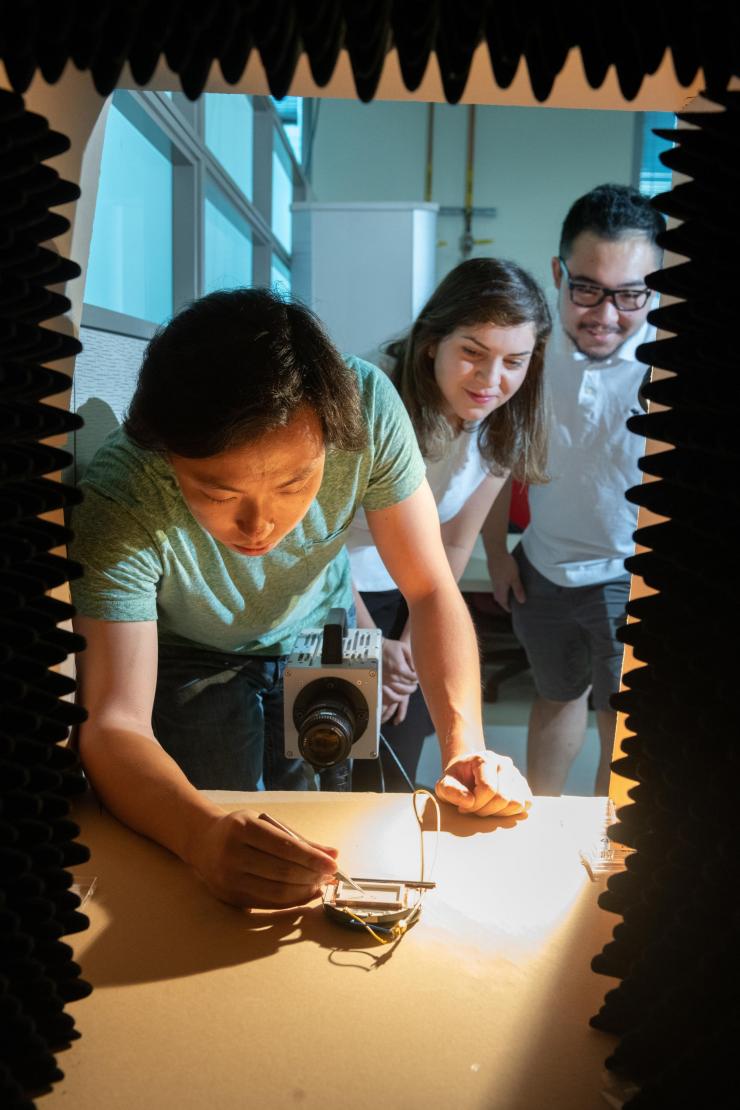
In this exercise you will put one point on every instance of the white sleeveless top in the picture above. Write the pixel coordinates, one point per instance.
(452, 479)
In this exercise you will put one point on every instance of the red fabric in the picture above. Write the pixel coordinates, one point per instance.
(519, 512)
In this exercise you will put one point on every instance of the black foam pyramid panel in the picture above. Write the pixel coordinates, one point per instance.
(674, 951)
(38, 776)
(104, 36)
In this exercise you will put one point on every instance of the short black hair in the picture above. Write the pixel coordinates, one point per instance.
(611, 212)
(234, 365)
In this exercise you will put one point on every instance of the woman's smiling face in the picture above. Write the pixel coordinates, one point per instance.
(479, 367)
(251, 496)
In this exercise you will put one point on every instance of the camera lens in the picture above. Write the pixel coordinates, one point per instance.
(329, 714)
(327, 733)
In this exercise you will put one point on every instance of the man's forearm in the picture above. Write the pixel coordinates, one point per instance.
(144, 788)
(447, 662)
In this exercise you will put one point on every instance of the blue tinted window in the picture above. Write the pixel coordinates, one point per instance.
(130, 264)
(279, 275)
(282, 192)
(654, 176)
(229, 132)
(290, 110)
(228, 244)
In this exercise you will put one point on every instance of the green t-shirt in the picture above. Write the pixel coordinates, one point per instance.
(146, 558)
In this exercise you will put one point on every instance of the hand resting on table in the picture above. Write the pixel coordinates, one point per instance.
(484, 784)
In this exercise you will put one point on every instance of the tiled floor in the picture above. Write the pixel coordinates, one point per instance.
(505, 724)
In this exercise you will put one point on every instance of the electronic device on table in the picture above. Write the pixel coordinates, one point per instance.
(332, 693)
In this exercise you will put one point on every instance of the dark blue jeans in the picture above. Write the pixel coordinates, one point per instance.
(220, 717)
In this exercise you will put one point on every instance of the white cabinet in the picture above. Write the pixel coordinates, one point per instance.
(365, 269)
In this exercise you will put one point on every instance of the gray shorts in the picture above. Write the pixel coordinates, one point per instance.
(569, 634)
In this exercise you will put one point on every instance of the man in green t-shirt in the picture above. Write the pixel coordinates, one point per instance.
(211, 534)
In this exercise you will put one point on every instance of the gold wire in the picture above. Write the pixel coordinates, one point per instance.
(401, 926)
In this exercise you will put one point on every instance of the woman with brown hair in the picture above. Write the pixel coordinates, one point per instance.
(470, 375)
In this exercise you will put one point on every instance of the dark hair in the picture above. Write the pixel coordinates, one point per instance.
(611, 212)
(479, 291)
(234, 365)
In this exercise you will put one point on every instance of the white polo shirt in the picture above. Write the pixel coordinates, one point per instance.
(581, 526)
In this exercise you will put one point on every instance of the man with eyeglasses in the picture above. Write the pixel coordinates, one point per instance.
(565, 583)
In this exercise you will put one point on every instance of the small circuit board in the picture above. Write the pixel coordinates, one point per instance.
(380, 902)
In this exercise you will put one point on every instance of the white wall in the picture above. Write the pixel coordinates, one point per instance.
(530, 164)
(366, 269)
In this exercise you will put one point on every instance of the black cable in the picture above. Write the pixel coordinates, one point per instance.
(400, 766)
(381, 774)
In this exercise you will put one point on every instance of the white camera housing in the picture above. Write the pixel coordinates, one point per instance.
(308, 682)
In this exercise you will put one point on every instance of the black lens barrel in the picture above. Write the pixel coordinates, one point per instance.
(327, 734)
(329, 714)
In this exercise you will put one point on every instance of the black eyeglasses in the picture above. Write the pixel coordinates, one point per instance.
(586, 295)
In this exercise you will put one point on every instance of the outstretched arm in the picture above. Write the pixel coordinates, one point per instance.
(241, 859)
(445, 652)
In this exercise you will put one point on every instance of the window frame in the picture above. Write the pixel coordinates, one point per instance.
(180, 123)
